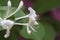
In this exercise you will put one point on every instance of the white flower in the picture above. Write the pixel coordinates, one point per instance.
(8, 24)
(32, 20)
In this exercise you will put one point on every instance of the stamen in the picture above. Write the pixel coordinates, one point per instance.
(21, 17)
(36, 23)
(19, 7)
(21, 23)
(32, 13)
(32, 28)
(34, 20)
(28, 30)
(9, 8)
(7, 34)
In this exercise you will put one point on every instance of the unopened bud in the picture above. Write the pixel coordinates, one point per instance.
(29, 32)
(9, 3)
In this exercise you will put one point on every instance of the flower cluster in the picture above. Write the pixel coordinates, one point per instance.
(8, 24)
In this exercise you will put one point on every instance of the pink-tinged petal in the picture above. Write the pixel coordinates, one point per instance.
(39, 16)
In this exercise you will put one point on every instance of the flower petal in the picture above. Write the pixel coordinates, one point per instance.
(7, 34)
(32, 12)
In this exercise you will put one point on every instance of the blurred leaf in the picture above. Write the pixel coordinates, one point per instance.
(54, 23)
(49, 28)
(44, 32)
(35, 35)
(3, 11)
(14, 2)
(49, 32)
(20, 13)
(44, 5)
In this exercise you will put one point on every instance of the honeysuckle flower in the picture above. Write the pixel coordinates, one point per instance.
(32, 20)
(6, 23)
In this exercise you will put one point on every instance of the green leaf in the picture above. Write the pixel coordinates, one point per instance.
(14, 2)
(44, 5)
(20, 13)
(44, 32)
(37, 35)
(3, 11)
(49, 32)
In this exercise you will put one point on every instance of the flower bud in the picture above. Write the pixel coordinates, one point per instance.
(9, 3)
